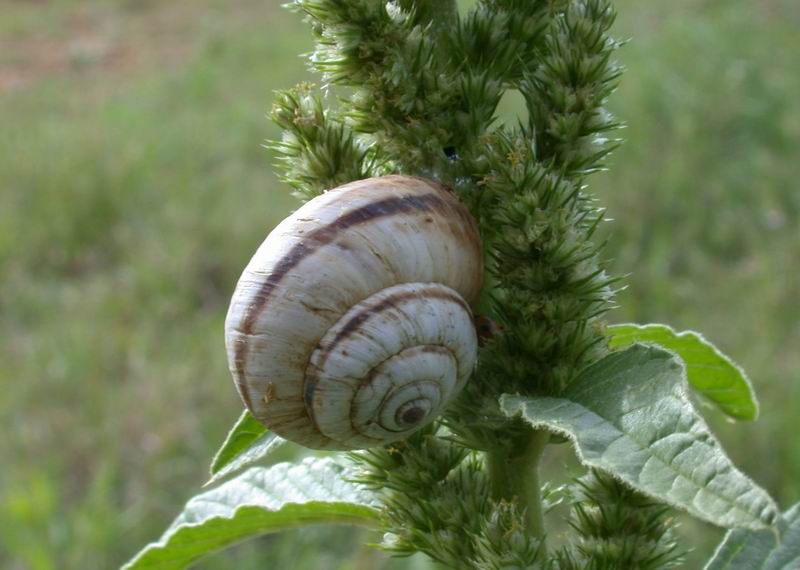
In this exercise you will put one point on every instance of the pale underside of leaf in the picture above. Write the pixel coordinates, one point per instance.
(247, 443)
(763, 549)
(712, 374)
(259, 501)
(628, 415)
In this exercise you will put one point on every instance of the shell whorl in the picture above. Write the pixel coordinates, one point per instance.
(351, 327)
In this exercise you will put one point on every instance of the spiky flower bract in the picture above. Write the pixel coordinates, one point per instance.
(415, 88)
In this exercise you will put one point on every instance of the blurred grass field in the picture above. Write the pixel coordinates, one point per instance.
(134, 188)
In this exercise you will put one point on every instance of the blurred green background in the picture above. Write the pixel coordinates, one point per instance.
(134, 188)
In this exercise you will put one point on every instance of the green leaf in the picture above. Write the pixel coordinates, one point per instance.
(244, 432)
(247, 442)
(259, 501)
(629, 415)
(763, 549)
(710, 372)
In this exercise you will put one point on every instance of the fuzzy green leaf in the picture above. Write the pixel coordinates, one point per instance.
(761, 550)
(709, 372)
(244, 432)
(629, 415)
(247, 442)
(259, 501)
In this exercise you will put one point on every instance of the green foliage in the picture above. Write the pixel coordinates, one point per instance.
(423, 89)
(259, 501)
(133, 195)
(412, 94)
(771, 549)
(709, 372)
(438, 500)
(419, 484)
(248, 442)
(549, 284)
(243, 434)
(502, 38)
(502, 542)
(618, 528)
(426, 111)
(629, 416)
(566, 92)
(317, 150)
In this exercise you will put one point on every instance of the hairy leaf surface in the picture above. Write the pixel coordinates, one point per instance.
(763, 549)
(259, 501)
(247, 442)
(709, 372)
(629, 415)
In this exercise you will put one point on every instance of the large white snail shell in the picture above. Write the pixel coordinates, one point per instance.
(351, 325)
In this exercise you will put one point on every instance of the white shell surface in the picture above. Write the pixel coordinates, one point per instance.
(389, 365)
(337, 251)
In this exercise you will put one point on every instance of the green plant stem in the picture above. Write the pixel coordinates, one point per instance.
(514, 473)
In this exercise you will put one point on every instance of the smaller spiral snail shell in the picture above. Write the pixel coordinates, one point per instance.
(351, 326)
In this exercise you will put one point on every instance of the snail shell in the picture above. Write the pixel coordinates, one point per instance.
(351, 325)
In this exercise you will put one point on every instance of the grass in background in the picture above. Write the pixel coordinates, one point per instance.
(133, 189)
(132, 196)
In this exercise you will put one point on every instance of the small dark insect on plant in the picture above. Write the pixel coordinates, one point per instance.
(437, 308)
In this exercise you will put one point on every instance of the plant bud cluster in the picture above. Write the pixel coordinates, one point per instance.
(417, 87)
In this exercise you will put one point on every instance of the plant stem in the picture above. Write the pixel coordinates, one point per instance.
(514, 473)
